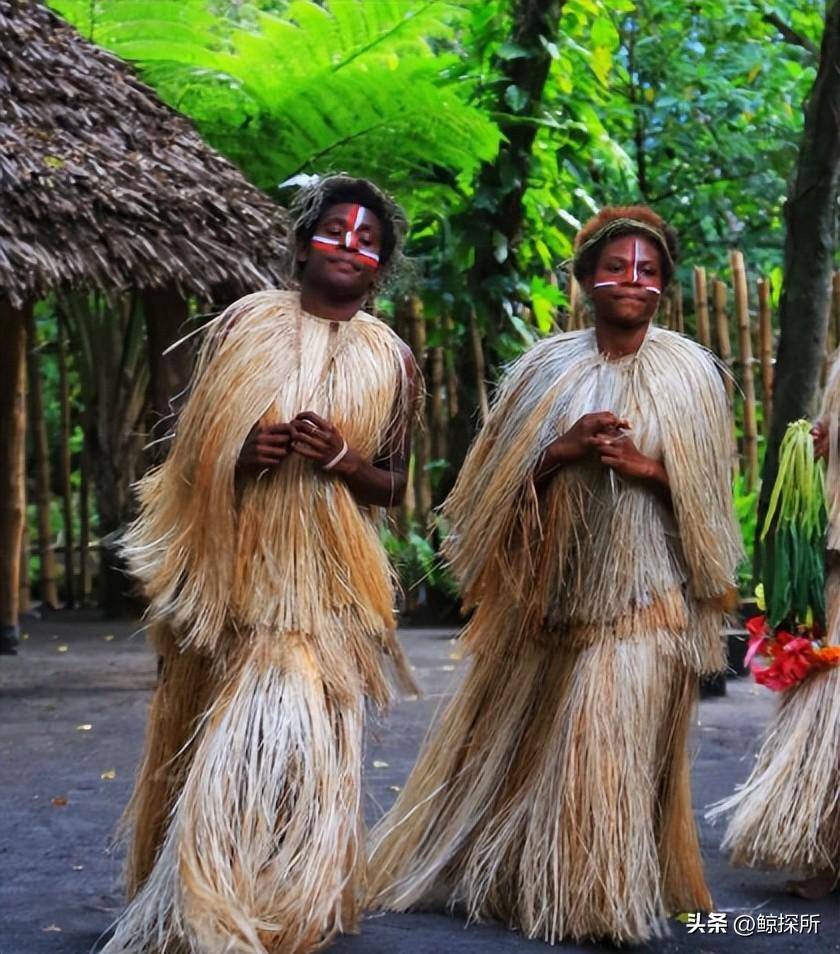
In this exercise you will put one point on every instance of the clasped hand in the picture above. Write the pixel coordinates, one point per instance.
(602, 433)
(307, 435)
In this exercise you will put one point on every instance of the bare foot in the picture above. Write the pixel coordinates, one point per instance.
(815, 888)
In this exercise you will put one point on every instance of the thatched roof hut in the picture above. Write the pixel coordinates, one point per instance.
(103, 184)
(104, 187)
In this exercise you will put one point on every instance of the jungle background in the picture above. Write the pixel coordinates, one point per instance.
(501, 126)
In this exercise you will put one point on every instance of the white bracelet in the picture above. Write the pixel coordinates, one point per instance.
(339, 456)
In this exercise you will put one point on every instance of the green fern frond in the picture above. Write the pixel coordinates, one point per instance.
(351, 86)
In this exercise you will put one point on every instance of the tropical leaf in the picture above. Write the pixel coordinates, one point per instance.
(353, 86)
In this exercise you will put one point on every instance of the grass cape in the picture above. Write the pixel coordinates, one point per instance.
(554, 792)
(272, 602)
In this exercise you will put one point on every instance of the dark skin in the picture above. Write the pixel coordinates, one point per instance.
(619, 288)
(334, 285)
(820, 434)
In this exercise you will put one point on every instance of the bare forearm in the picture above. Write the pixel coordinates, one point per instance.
(369, 484)
(659, 482)
(555, 456)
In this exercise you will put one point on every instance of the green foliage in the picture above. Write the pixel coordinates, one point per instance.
(417, 562)
(745, 503)
(792, 543)
(708, 100)
(364, 87)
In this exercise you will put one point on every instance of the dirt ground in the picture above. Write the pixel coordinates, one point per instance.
(72, 710)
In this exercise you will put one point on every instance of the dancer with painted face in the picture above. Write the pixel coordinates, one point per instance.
(272, 599)
(594, 539)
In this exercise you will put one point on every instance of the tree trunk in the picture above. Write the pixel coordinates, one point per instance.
(437, 410)
(47, 582)
(497, 229)
(65, 469)
(24, 592)
(810, 217)
(12, 456)
(166, 313)
(85, 587)
(112, 358)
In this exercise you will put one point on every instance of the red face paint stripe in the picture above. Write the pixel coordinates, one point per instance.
(350, 240)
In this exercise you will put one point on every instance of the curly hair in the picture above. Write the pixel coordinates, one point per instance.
(318, 193)
(614, 221)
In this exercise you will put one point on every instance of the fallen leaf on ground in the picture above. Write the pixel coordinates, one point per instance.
(62, 648)
(379, 764)
(59, 801)
(448, 668)
(109, 774)
(78, 867)
(52, 927)
(108, 638)
(393, 788)
(84, 727)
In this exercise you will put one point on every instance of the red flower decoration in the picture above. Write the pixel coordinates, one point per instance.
(793, 659)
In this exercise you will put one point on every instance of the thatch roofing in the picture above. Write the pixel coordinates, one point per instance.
(103, 185)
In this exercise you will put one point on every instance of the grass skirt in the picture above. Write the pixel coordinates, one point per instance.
(554, 796)
(787, 813)
(260, 803)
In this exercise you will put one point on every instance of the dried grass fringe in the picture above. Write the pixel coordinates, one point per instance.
(786, 815)
(554, 792)
(272, 605)
(553, 795)
(561, 558)
(263, 851)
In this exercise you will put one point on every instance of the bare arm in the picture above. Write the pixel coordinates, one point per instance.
(575, 444)
(602, 433)
(381, 482)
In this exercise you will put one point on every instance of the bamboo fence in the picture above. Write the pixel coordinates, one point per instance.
(730, 313)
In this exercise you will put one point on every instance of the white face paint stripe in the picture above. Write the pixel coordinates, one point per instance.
(367, 254)
(649, 288)
(326, 240)
(637, 248)
(360, 217)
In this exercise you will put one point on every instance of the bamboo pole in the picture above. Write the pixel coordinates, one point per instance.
(701, 307)
(422, 437)
(12, 458)
(679, 315)
(64, 469)
(478, 361)
(765, 339)
(668, 313)
(452, 405)
(835, 311)
(24, 588)
(437, 411)
(722, 331)
(742, 316)
(725, 354)
(574, 299)
(47, 582)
